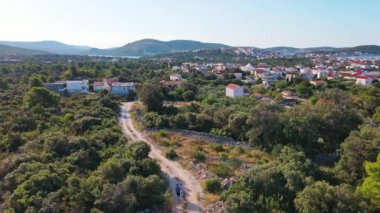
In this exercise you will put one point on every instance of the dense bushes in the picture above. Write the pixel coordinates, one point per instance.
(212, 185)
(70, 155)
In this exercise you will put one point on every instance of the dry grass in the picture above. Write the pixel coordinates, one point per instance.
(137, 106)
(216, 155)
(211, 198)
(185, 146)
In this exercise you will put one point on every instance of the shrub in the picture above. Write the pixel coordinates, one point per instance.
(171, 154)
(212, 185)
(218, 132)
(85, 123)
(223, 155)
(14, 141)
(198, 155)
(223, 170)
(165, 142)
(217, 147)
(163, 133)
(238, 150)
(234, 163)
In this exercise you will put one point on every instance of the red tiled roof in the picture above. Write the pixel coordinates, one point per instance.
(111, 80)
(233, 86)
(98, 84)
(363, 76)
(260, 71)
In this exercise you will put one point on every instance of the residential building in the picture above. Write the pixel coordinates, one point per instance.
(56, 87)
(175, 77)
(122, 88)
(98, 86)
(77, 87)
(364, 80)
(234, 90)
(289, 76)
(238, 75)
(105, 84)
(269, 78)
(247, 68)
(287, 94)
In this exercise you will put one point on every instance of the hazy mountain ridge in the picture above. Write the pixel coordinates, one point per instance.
(148, 47)
(370, 49)
(151, 47)
(10, 50)
(48, 46)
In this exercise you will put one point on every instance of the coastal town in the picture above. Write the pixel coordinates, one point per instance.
(168, 106)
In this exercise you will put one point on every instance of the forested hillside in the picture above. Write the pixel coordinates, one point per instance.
(67, 154)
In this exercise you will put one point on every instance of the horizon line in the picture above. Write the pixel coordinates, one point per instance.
(164, 40)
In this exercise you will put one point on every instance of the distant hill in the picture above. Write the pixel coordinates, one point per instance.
(16, 51)
(370, 49)
(148, 47)
(152, 47)
(48, 46)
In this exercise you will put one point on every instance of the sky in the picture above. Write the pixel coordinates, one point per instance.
(258, 23)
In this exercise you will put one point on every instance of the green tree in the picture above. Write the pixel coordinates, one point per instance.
(239, 202)
(35, 81)
(376, 116)
(41, 96)
(362, 145)
(370, 188)
(3, 84)
(138, 150)
(264, 126)
(212, 185)
(13, 141)
(188, 95)
(322, 197)
(152, 97)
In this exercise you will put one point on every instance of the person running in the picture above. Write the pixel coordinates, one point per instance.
(178, 190)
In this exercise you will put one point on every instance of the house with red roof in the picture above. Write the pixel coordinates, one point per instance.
(98, 86)
(234, 90)
(105, 84)
(364, 80)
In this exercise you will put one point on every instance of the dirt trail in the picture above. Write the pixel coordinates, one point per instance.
(173, 171)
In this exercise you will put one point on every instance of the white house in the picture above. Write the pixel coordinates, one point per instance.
(105, 84)
(322, 73)
(238, 75)
(289, 76)
(234, 90)
(264, 67)
(176, 68)
(247, 68)
(98, 86)
(269, 78)
(75, 87)
(175, 77)
(364, 80)
(122, 88)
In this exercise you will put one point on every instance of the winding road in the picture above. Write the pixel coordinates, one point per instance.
(173, 171)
